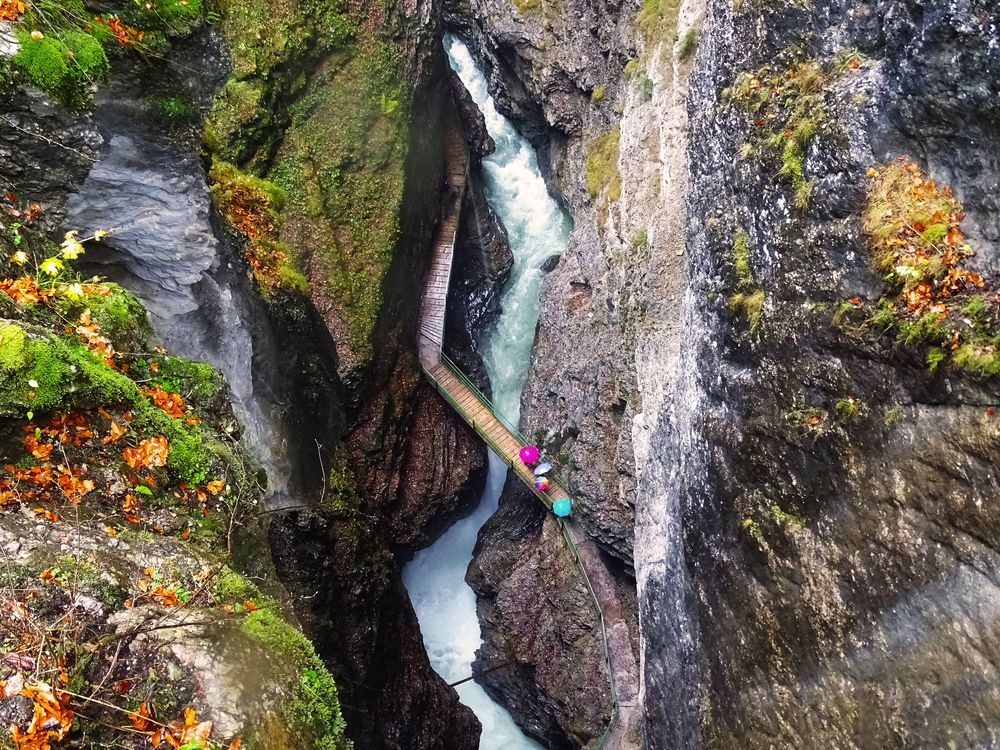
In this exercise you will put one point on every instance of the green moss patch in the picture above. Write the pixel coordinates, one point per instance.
(269, 44)
(65, 64)
(176, 18)
(312, 712)
(342, 167)
(657, 19)
(748, 299)
(48, 372)
(601, 166)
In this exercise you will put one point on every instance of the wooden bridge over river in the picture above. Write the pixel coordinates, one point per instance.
(623, 672)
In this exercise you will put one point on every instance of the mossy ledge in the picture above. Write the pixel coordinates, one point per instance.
(337, 152)
(127, 497)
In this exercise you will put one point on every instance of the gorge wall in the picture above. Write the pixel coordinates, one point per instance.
(766, 360)
(322, 247)
(807, 440)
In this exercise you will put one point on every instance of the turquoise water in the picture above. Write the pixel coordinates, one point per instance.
(435, 579)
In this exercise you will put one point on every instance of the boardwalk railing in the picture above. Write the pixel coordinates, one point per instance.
(471, 403)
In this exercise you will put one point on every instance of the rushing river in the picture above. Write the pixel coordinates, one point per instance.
(537, 228)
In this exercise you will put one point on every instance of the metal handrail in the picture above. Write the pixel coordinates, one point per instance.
(457, 372)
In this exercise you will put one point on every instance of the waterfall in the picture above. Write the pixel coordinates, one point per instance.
(537, 229)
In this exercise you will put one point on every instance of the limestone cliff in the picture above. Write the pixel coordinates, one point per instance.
(776, 343)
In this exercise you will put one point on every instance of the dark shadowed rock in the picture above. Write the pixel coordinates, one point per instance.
(480, 142)
(482, 265)
(364, 626)
(539, 618)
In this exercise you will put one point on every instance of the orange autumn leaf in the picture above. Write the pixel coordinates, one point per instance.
(130, 509)
(117, 431)
(165, 596)
(171, 403)
(9, 11)
(37, 448)
(249, 606)
(124, 33)
(149, 453)
(25, 290)
(51, 717)
(236, 744)
(91, 333)
(216, 486)
(48, 575)
(140, 719)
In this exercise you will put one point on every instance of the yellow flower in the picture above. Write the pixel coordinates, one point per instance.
(52, 266)
(71, 247)
(36, 34)
(20, 257)
(100, 234)
(74, 291)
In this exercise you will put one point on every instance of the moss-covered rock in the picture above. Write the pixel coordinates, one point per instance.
(338, 153)
(124, 493)
(342, 167)
(66, 64)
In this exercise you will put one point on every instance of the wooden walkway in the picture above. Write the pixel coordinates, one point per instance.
(475, 408)
(435, 297)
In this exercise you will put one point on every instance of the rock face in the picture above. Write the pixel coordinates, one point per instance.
(812, 506)
(45, 151)
(364, 625)
(356, 407)
(539, 620)
(835, 589)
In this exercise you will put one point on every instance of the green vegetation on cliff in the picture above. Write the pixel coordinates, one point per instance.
(63, 46)
(788, 109)
(123, 486)
(914, 231)
(601, 165)
(748, 299)
(338, 151)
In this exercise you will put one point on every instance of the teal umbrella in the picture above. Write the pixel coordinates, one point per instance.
(562, 507)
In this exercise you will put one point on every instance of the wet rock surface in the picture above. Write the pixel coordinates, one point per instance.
(365, 627)
(481, 267)
(149, 186)
(539, 620)
(835, 586)
(480, 142)
(45, 151)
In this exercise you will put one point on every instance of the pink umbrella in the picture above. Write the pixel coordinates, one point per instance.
(529, 454)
